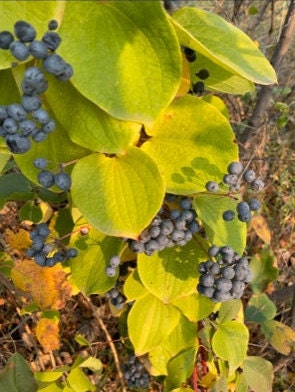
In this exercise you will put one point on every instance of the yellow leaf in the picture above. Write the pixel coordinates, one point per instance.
(47, 286)
(20, 240)
(185, 79)
(261, 228)
(47, 333)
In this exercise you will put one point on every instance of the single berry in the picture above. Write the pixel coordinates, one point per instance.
(190, 54)
(52, 40)
(198, 88)
(63, 181)
(72, 252)
(254, 204)
(54, 64)
(18, 144)
(40, 163)
(52, 24)
(228, 215)
(31, 103)
(235, 168)
(38, 49)
(6, 38)
(115, 261)
(249, 175)
(203, 74)
(66, 74)
(46, 178)
(41, 116)
(24, 31)
(257, 185)
(111, 271)
(212, 186)
(17, 112)
(19, 50)
(230, 179)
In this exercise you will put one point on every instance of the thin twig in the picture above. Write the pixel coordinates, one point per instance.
(110, 342)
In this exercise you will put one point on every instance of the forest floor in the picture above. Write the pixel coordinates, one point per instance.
(272, 152)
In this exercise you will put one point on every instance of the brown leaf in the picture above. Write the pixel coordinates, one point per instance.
(261, 228)
(47, 333)
(20, 240)
(47, 286)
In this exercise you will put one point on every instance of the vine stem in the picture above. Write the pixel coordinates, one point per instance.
(110, 342)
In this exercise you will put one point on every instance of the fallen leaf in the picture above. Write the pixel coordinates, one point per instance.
(47, 333)
(261, 228)
(48, 286)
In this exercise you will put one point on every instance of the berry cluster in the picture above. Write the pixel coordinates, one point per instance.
(225, 278)
(170, 227)
(22, 123)
(235, 176)
(47, 253)
(47, 179)
(116, 298)
(197, 88)
(114, 263)
(135, 373)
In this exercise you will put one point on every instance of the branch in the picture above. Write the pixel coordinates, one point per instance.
(110, 342)
(258, 115)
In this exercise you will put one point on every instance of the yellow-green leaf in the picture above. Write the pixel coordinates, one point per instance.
(124, 192)
(132, 67)
(186, 145)
(223, 43)
(230, 342)
(150, 322)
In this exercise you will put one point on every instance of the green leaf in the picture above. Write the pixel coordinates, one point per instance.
(264, 272)
(220, 79)
(30, 211)
(220, 385)
(124, 192)
(8, 87)
(53, 387)
(52, 151)
(92, 363)
(133, 287)
(218, 103)
(159, 358)
(210, 207)
(180, 368)
(130, 72)
(4, 156)
(88, 125)
(228, 310)
(17, 376)
(183, 336)
(150, 322)
(52, 375)
(280, 336)
(171, 273)
(241, 383)
(230, 342)
(192, 143)
(79, 382)
(182, 390)
(15, 186)
(223, 43)
(258, 373)
(36, 13)
(260, 308)
(88, 268)
(195, 306)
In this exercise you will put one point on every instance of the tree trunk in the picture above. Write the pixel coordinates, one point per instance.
(259, 113)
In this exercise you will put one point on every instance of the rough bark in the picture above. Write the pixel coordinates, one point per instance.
(259, 113)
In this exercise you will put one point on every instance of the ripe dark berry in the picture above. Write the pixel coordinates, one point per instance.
(203, 74)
